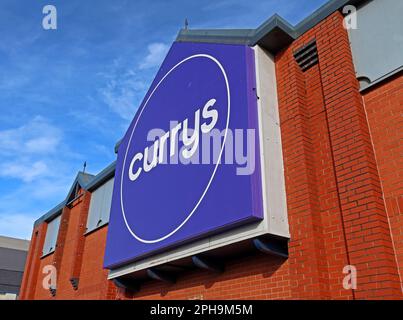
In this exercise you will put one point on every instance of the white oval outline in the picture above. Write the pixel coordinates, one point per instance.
(215, 168)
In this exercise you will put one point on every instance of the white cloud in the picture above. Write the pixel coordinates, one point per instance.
(42, 144)
(124, 90)
(27, 150)
(37, 136)
(121, 95)
(53, 187)
(17, 225)
(126, 86)
(27, 172)
(155, 56)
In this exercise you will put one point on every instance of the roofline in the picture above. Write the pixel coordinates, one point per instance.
(117, 145)
(80, 180)
(274, 34)
(51, 214)
(105, 175)
(14, 243)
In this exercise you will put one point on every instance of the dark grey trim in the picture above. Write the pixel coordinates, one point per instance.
(226, 36)
(117, 145)
(87, 182)
(102, 177)
(382, 79)
(51, 214)
(274, 34)
(82, 179)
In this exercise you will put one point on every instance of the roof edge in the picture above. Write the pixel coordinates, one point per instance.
(268, 29)
(91, 185)
(105, 175)
(14, 243)
(51, 214)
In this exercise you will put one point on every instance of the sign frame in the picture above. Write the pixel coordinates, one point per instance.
(275, 221)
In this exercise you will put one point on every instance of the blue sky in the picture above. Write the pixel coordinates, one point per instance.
(67, 95)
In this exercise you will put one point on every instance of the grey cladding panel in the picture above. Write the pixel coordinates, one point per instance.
(100, 206)
(51, 235)
(377, 43)
(11, 259)
(9, 289)
(10, 278)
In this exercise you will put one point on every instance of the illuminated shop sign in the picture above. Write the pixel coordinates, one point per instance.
(188, 166)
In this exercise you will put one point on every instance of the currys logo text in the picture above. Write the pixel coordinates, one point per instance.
(198, 145)
(155, 154)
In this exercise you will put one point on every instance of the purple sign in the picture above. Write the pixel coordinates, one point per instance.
(188, 166)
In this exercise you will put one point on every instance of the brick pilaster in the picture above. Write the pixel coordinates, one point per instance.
(80, 238)
(31, 272)
(364, 215)
(306, 245)
(61, 238)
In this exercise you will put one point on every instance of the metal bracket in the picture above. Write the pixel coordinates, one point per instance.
(161, 276)
(270, 247)
(74, 282)
(52, 291)
(207, 264)
(127, 284)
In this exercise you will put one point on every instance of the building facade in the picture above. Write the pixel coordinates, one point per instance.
(13, 253)
(338, 96)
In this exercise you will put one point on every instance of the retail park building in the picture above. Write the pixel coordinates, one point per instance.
(321, 217)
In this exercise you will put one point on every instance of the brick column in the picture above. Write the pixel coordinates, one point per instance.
(383, 106)
(61, 238)
(80, 238)
(364, 216)
(306, 245)
(109, 291)
(31, 272)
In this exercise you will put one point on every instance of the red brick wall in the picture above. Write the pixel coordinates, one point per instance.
(32, 264)
(41, 293)
(258, 277)
(333, 186)
(384, 107)
(93, 285)
(337, 179)
(76, 254)
(64, 287)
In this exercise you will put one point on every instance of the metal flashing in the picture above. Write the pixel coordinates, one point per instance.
(87, 182)
(51, 214)
(273, 35)
(102, 177)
